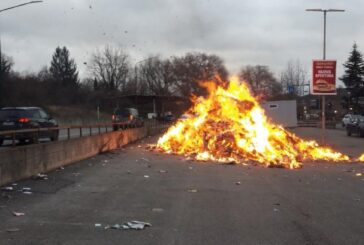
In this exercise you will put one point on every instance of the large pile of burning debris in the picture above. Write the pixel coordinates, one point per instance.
(230, 126)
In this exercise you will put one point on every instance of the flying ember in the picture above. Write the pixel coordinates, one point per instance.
(230, 126)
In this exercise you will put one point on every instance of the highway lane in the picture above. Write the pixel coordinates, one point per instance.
(189, 202)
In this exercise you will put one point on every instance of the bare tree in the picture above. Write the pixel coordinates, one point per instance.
(110, 67)
(6, 64)
(158, 75)
(194, 68)
(294, 78)
(261, 81)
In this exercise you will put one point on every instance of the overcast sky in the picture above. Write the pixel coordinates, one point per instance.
(264, 32)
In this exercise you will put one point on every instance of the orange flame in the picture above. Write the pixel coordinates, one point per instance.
(361, 158)
(230, 126)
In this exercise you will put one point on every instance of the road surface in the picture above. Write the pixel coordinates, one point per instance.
(189, 202)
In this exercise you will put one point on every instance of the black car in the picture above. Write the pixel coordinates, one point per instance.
(355, 126)
(167, 118)
(126, 118)
(17, 118)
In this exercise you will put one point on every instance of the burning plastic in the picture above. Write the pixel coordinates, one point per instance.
(230, 126)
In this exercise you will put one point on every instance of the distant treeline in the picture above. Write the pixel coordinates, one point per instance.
(111, 74)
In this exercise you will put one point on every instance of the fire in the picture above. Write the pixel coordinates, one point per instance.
(361, 158)
(230, 126)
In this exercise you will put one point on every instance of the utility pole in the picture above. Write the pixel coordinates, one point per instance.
(323, 115)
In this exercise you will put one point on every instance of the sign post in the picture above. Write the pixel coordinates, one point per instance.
(323, 83)
(325, 11)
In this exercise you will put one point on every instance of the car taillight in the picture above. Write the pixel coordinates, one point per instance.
(113, 117)
(23, 120)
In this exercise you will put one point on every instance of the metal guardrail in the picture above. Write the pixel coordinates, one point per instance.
(101, 128)
(316, 124)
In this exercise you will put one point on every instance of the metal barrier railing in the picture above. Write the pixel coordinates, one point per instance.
(36, 133)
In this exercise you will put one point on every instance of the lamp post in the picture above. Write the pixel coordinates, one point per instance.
(323, 116)
(19, 5)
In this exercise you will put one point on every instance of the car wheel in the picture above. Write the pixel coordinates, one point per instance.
(22, 141)
(34, 140)
(343, 124)
(115, 127)
(348, 132)
(1, 141)
(55, 135)
(361, 133)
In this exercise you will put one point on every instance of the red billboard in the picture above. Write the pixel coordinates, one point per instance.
(323, 77)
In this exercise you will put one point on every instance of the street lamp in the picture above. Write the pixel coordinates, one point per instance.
(325, 11)
(19, 5)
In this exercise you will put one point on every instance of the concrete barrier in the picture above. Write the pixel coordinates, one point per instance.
(25, 161)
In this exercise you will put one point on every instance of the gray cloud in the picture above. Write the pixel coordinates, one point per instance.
(241, 32)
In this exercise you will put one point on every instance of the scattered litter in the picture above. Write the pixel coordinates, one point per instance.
(116, 226)
(14, 184)
(275, 209)
(106, 161)
(76, 174)
(97, 225)
(5, 196)
(144, 159)
(17, 214)
(129, 172)
(349, 170)
(61, 168)
(190, 168)
(13, 230)
(146, 176)
(27, 190)
(358, 174)
(339, 179)
(139, 146)
(158, 210)
(192, 190)
(135, 225)
(7, 188)
(40, 176)
(277, 204)
(163, 171)
(238, 183)
(357, 199)
(104, 164)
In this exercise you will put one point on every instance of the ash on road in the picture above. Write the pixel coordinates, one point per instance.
(189, 202)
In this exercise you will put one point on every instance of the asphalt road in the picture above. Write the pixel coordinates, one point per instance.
(189, 202)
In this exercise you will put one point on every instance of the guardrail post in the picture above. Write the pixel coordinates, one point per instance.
(80, 131)
(106, 128)
(13, 139)
(68, 133)
(99, 129)
(90, 130)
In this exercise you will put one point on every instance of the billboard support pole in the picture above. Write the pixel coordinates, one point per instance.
(324, 57)
(323, 127)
